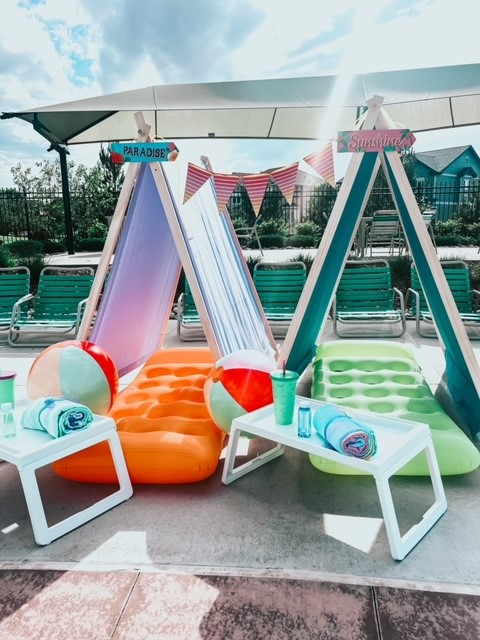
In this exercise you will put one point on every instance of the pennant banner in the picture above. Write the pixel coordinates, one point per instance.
(196, 178)
(286, 180)
(322, 163)
(224, 187)
(256, 185)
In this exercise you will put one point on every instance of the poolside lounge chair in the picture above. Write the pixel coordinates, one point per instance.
(366, 300)
(386, 231)
(189, 323)
(466, 298)
(14, 284)
(279, 286)
(57, 308)
(247, 234)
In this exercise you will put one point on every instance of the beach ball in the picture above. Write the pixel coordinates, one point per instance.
(238, 383)
(78, 370)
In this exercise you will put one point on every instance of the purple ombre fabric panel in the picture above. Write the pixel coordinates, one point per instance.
(135, 308)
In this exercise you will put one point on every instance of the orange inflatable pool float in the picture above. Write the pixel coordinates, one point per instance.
(166, 432)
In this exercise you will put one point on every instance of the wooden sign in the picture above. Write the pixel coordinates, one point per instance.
(144, 152)
(374, 140)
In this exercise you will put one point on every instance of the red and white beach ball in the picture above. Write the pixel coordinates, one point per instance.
(238, 383)
(78, 370)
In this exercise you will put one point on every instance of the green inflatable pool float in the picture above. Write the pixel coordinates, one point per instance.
(385, 378)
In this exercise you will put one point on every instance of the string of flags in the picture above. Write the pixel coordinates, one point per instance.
(256, 184)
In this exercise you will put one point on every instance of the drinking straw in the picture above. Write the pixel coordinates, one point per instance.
(284, 366)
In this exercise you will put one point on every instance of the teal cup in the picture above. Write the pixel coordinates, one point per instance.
(284, 385)
(7, 386)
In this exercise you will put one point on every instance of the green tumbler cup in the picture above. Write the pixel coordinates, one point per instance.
(7, 386)
(284, 384)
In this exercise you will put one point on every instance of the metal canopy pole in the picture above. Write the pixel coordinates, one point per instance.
(62, 152)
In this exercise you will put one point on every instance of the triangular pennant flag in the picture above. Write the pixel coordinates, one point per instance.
(224, 186)
(322, 163)
(286, 179)
(196, 178)
(256, 186)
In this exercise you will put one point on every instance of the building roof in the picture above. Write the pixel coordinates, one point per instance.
(440, 159)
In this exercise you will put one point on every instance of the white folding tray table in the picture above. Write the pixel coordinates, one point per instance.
(30, 449)
(399, 441)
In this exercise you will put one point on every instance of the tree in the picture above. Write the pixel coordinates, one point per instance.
(321, 204)
(93, 192)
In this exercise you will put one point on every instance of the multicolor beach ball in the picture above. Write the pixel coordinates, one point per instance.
(78, 370)
(238, 383)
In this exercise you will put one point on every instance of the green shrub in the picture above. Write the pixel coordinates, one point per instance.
(6, 258)
(272, 227)
(252, 261)
(449, 241)
(301, 241)
(25, 248)
(401, 270)
(473, 231)
(306, 258)
(52, 246)
(240, 223)
(272, 241)
(90, 244)
(35, 263)
(97, 230)
(309, 228)
(475, 273)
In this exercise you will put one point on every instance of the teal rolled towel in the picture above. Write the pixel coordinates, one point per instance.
(57, 415)
(340, 431)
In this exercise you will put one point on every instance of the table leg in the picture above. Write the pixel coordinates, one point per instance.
(230, 473)
(400, 545)
(43, 533)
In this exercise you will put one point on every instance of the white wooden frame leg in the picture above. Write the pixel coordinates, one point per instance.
(43, 533)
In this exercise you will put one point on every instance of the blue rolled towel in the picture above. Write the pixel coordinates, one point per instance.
(57, 415)
(343, 433)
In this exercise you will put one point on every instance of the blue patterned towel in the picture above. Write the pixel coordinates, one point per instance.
(57, 415)
(341, 432)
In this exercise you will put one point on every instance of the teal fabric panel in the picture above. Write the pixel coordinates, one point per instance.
(317, 308)
(459, 377)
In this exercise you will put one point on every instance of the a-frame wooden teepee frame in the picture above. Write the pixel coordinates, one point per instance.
(463, 372)
(194, 235)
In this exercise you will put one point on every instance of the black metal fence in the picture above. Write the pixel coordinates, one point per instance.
(31, 215)
(40, 216)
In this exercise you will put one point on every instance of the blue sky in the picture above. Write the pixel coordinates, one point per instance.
(57, 50)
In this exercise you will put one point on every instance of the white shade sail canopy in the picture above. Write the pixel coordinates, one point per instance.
(288, 108)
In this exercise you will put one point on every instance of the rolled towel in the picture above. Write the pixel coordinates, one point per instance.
(57, 415)
(343, 433)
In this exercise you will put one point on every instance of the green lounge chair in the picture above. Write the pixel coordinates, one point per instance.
(189, 324)
(14, 284)
(467, 299)
(57, 308)
(366, 301)
(279, 286)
